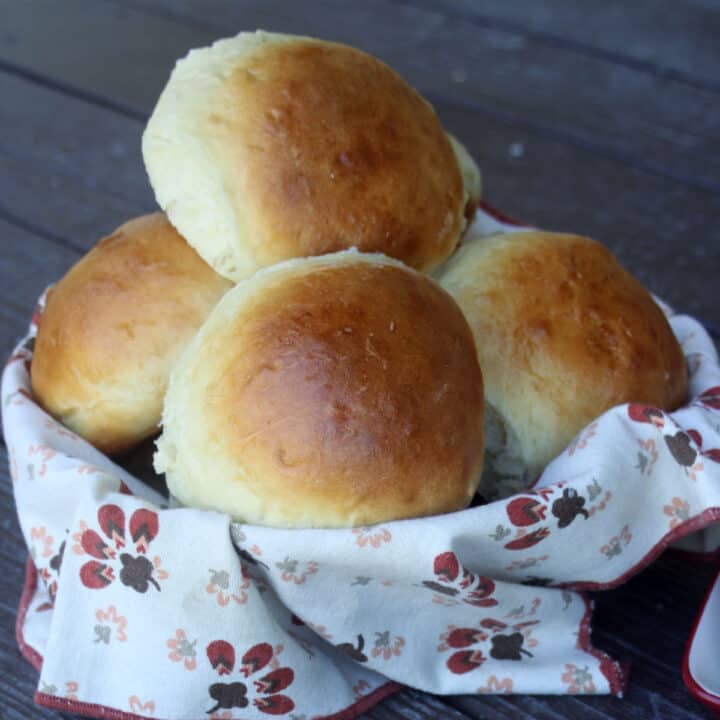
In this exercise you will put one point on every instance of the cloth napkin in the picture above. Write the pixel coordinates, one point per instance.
(135, 610)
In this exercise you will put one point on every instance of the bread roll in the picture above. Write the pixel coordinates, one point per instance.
(113, 327)
(563, 333)
(334, 391)
(265, 147)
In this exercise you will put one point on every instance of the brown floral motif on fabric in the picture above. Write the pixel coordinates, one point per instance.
(228, 695)
(507, 642)
(354, 651)
(684, 446)
(134, 570)
(459, 583)
(535, 507)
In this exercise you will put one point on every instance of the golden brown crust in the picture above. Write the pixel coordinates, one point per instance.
(563, 333)
(304, 147)
(346, 394)
(112, 328)
(352, 156)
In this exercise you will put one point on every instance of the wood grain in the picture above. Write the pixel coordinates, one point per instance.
(677, 45)
(449, 56)
(93, 153)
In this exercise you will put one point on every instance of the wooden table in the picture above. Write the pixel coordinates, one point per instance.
(600, 118)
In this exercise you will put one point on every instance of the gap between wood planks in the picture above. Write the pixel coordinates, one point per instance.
(575, 139)
(9, 217)
(643, 241)
(472, 15)
(613, 132)
(545, 131)
(637, 251)
(448, 9)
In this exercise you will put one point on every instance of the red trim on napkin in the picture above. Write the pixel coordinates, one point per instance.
(705, 518)
(500, 216)
(28, 652)
(616, 673)
(106, 713)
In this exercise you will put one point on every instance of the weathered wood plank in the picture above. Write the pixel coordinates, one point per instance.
(664, 126)
(88, 172)
(415, 705)
(64, 206)
(28, 264)
(509, 72)
(69, 142)
(664, 39)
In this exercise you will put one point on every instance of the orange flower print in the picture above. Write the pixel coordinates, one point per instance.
(71, 690)
(45, 453)
(601, 505)
(578, 680)
(160, 572)
(615, 545)
(87, 470)
(371, 537)
(678, 510)
(219, 586)
(103, 632)
(495, 685)
(581, 441)
(77, 538)
(140, 707)
(647, 456)
(289, 570)
(45, 541)
(181, 649)
(385, 647)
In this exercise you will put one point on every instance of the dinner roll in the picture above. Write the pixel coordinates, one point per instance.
(113, 327)
(266, 147)
(334, 391)
(563, 332)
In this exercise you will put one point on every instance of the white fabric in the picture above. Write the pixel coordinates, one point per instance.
(174, 613)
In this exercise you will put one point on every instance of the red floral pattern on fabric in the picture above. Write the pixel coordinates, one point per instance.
(459, 583)
(267, 688)
(135, 570)
(507, 642)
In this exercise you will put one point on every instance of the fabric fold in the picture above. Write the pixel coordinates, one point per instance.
(133, 609)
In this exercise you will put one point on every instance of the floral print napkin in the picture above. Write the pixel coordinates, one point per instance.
(135, 610)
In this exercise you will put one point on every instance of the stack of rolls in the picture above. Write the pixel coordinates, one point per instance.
(279, 321)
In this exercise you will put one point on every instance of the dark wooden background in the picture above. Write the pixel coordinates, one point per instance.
(596, 117)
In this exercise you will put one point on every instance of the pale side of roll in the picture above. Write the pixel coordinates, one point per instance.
(563, 332)
(335, 391)
(265, 147)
